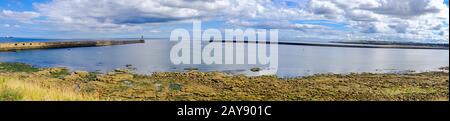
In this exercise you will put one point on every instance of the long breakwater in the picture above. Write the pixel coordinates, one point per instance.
(14, 46)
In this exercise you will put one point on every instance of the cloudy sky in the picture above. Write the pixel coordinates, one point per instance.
(399, 20)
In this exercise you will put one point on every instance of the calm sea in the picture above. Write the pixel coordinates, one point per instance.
(153, 56)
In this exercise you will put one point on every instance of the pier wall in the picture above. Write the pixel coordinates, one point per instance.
(46, 45)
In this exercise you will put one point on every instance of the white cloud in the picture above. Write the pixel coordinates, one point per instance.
(9, 25)
(408, 8)
(445, 34)
(325, 8)
(100, 13)
(277, 25)
(154, 31)
(25, 16)
(121, 14)
(363, 15)
(423, 18)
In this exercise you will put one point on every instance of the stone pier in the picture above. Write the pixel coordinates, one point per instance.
(14, 46)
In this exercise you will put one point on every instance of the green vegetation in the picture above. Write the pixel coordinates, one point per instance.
(16, 67)
(191, 69)
(61, 73)
(194, 85)
(175, 87)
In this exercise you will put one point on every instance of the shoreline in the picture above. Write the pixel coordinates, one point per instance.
(250, 72)
(62, 84)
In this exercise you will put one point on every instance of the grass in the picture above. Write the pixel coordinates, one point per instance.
(17, 90)
(8, 94)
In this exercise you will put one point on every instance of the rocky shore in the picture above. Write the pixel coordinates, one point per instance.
(23, 82)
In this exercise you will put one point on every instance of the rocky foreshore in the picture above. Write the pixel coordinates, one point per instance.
(23, 82)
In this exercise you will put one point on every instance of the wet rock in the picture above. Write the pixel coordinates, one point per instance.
(115, 78)
(77, 76)
(191, 69)
(81, 73)
(121, 71)
(128, 65)
(50, 71)
(255, 69)
(444, 68)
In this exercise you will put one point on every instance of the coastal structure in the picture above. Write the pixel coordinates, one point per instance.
(343, 44)
(13, 46)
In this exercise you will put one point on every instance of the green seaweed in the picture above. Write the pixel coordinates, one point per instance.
(17, 67)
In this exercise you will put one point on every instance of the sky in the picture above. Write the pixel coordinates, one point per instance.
(391, 20)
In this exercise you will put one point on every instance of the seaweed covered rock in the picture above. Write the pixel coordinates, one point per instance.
(54, 72)
(115, 78)
(81, 73)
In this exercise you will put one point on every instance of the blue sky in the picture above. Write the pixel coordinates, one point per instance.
(416, 20)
